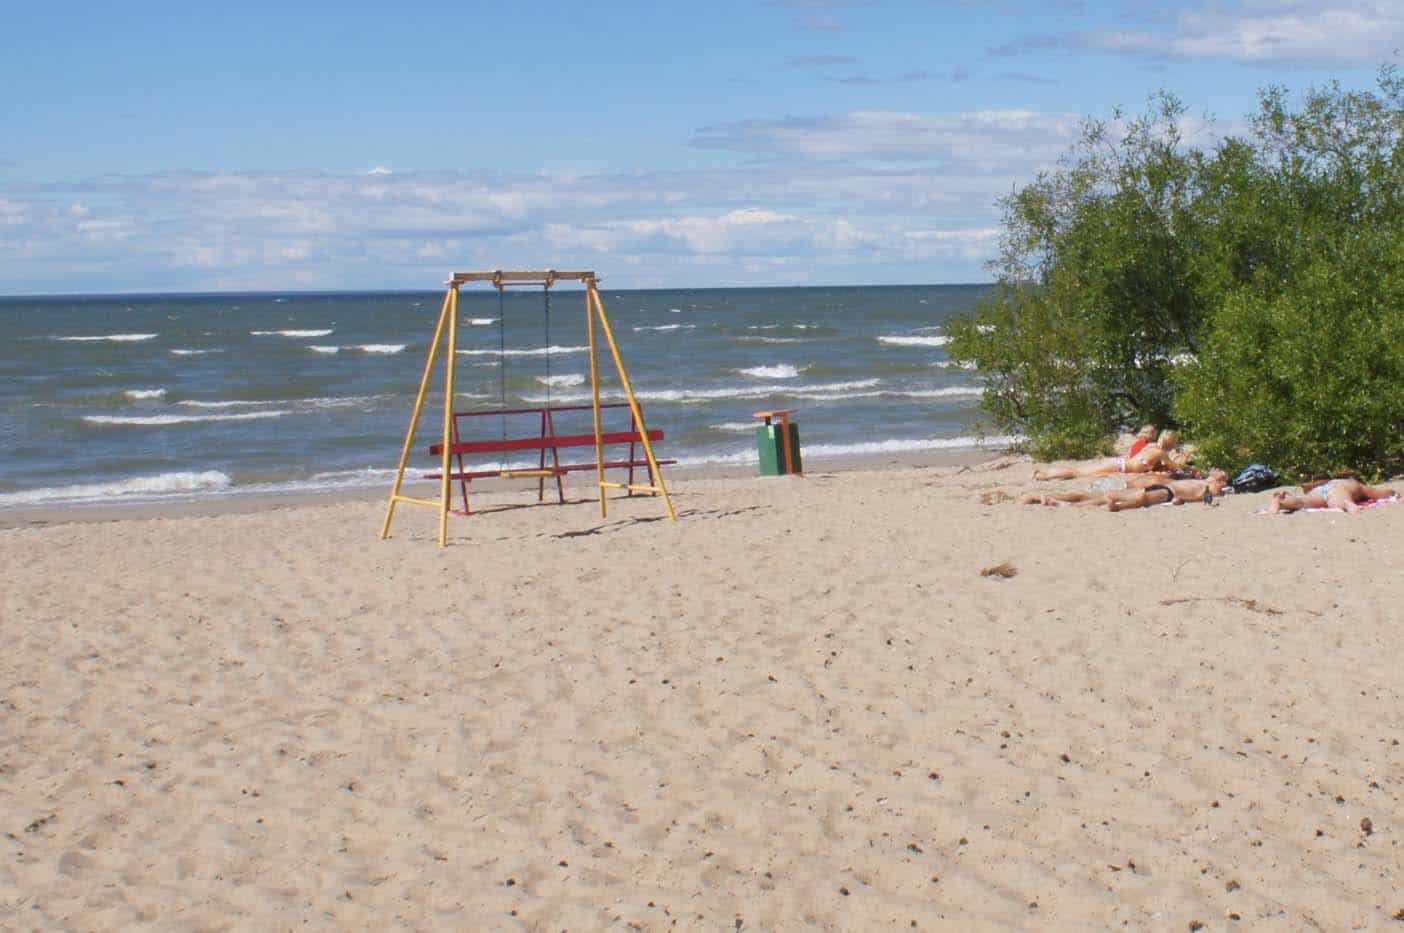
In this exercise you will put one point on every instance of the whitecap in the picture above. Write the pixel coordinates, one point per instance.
(667, 327)
(324, 349)
(381, 347)
(194, 352)
(145, 393)
(570, 379)
(915, 341)
(482, 321)
(193, 403)
(903, 445)
(290, 333)
(538, 351)
(867, 448)
(779, 371)
(948, 392)
(116, 338)
(692, 396)
(735, 427)
(179, 419)
(134, 487)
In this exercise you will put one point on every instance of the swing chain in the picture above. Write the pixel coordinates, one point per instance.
(547, 318)
(502, 357)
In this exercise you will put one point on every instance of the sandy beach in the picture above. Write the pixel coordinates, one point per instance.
(800, 705)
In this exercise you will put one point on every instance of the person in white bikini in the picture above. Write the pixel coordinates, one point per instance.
(1343, 493)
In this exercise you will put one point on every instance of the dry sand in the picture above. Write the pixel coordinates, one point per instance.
(799, 705)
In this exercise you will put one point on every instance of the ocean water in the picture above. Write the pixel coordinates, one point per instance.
(127, 398)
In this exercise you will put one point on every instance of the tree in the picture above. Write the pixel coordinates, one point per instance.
(1253, 294)
(1303, 358)
(1097, 293)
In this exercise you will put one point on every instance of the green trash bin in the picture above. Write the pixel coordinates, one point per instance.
(770, 444)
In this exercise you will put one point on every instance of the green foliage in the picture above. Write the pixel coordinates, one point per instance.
(1097, 290)
(1253, 294)
(1310, 379)
(1302, 364)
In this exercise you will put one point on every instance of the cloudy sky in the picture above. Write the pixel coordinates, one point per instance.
(156, 146)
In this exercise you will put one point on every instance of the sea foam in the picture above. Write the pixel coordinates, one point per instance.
(133, 487)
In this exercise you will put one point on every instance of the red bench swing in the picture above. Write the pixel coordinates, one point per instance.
(545, 438)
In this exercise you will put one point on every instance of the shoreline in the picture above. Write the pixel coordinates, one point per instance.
(243, 503)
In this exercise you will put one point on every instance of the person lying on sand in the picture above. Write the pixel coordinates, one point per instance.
(1174, 491)
(1162, 456)
(1344, 493)
(1141, 491)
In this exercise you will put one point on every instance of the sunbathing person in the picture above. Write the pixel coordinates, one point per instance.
(1141, 491)
(1144, 438)
(1344, 493)
(1174, 491)
(1162, 456)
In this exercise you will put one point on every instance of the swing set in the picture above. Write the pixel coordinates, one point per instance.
(452, 447)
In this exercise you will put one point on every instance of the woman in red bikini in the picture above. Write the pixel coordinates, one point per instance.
(1161, 457)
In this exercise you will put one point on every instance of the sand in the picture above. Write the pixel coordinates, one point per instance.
(800, 705)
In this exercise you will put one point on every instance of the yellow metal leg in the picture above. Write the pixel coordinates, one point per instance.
(414, 419)
(593, 296)
(444, 492)
(595, 386)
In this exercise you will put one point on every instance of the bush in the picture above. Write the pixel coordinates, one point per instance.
(1308, 377)
(1253, 294)
(1098, 289)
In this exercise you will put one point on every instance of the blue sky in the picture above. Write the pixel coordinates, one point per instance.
(162, 147)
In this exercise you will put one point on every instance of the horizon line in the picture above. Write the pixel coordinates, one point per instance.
(49, 296)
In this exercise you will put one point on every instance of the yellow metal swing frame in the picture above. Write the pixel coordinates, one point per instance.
(446, 337)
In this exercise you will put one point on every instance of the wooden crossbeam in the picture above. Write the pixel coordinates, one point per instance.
(503, 275)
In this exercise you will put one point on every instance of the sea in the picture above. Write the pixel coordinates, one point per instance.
(133, 398)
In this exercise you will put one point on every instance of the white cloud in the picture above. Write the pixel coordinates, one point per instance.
(1276, 33)
(1319, 33)
(856, 197)
(988, 138)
